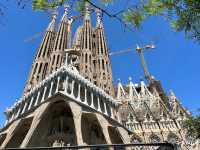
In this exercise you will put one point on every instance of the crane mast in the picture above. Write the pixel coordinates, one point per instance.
(153, 83)
(140, 50)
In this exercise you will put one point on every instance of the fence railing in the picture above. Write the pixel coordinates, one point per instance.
(151, 146)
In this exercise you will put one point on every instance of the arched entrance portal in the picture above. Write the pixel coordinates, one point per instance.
(61, 131)
(56, 127)
(91, 130)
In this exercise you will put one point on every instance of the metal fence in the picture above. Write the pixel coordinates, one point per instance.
(153, 146)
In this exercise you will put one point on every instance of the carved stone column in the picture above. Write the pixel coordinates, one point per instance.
(36, 120)
(104, 126)
(77, 113)
(11, 132)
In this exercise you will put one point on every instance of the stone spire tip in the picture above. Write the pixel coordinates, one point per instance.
(99, 17)
(66, 8)
(87, 11)
(51, 26)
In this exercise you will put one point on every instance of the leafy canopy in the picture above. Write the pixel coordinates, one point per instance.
(192, 125)
(183, 15)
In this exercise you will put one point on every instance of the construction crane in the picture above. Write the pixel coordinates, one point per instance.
(140, 51)
(153, 83)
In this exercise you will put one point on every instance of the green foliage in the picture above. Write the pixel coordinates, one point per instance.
(47, 4)
(134, 16)
(183, 15)
(80, 6)
(192, 125)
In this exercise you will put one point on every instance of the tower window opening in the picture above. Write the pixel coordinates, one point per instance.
(101, 50)
(90, 58)
(94, 64)
(40, 68)
(86, 58)
(58, 58)
(53, 60)
(45, 70)
(103, 65)
(35, 68)
(99, 63)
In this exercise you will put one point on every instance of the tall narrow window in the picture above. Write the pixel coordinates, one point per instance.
(58, 58)
(44, 71)
(40, 68)
(86, 58)
(103, 65)
(35, 68)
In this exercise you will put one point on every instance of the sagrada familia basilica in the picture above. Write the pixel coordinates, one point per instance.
(69, 97)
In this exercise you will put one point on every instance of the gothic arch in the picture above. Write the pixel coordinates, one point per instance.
(56, 127)
(135, 139)
(91, 130)
(153, 138)
(172, 138)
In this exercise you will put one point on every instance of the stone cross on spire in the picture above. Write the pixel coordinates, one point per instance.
(51, 26)
(66, 12)
(99, 18)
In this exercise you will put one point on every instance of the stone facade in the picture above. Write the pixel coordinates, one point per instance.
(64, 109)
(69, 98)
(150, 118)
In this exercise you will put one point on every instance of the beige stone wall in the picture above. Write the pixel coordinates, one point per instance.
(65, 121)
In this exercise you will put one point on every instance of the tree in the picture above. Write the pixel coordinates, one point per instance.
(192, 126)
(183, 15)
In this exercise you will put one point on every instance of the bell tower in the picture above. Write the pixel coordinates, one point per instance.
(86, 67)
(61, 42)
(102, 63)
(40, 64)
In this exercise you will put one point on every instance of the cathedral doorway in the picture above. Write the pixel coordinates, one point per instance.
(61, 131)
(20, 133)
(91, 130)
(56, 127)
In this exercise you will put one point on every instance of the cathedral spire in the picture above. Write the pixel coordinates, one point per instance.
(99, 18)
(87, 11)
(104, 71)
(61, 41)
(39, 67)
(66, 12)
(52, 24)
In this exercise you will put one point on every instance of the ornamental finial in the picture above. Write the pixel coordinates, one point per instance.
(51, 26)
(87, 11)
(66, 8)
(99, 17)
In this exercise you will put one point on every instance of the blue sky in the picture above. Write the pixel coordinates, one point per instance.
(175, 61)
